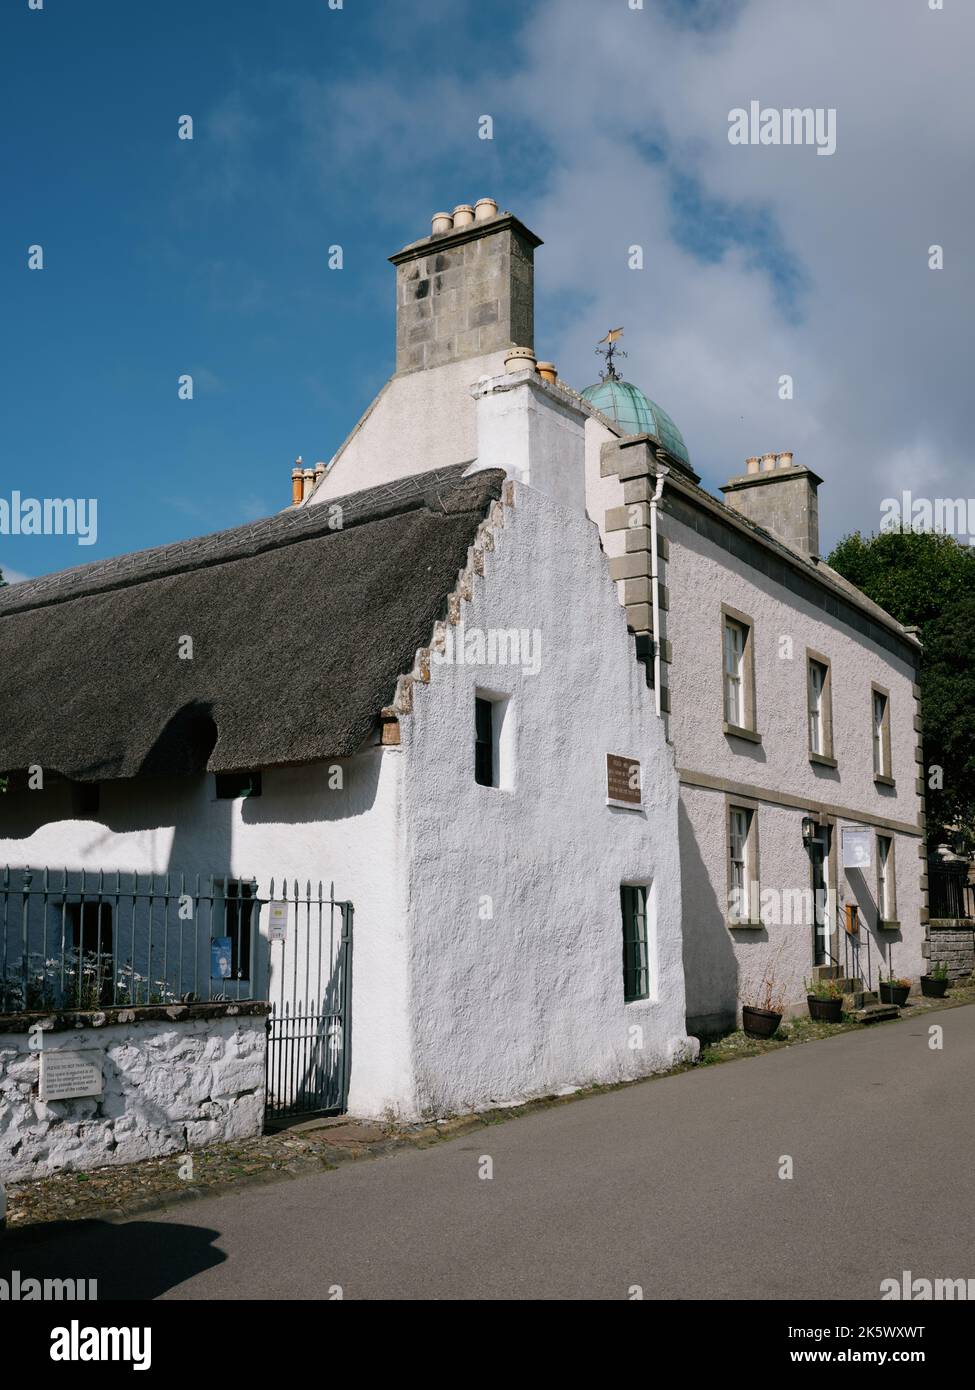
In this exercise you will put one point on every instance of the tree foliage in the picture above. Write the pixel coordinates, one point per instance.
(926, 579)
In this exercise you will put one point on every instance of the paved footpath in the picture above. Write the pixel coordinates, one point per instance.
(673, 1185)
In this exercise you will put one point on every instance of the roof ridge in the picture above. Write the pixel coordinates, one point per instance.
(287, 527)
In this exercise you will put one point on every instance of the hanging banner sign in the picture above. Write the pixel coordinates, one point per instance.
(857, 841)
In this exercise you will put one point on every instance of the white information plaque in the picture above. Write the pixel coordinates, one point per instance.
(65, 1075)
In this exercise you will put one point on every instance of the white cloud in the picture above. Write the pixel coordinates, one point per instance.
(12, 576)
(796, 264)
(879, 349)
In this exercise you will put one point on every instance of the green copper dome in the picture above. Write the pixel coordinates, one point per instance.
(634, 413)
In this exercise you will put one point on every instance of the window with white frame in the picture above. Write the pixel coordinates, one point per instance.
(881, 733)
(886, 899)
(817, 707)
(740, 852)
(735, 637)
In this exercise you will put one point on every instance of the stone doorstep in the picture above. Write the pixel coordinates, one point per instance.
(876, 1013)
(351, 1132)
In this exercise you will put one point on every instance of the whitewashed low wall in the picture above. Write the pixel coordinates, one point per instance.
(169, 1084)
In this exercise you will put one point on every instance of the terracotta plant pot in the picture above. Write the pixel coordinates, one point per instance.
(759, 1023)
(825, 1010)
(894, 994)
(932, 988)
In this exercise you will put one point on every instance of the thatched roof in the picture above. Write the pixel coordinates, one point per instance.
(299, 633)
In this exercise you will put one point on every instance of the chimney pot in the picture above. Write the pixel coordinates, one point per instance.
(442, 222)
(546, 370)
(780, 497)
(484, 209)
(519, 359)
(463, 215)
(297, 491)
(307, 482)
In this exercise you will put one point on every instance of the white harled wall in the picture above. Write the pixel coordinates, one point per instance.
(514, 905)
(301, 827)
(420, 421)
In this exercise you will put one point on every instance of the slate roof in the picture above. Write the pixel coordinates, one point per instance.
(299, 632)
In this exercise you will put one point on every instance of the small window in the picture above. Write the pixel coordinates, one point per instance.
(817, 707)
(494, 761)
(85, 798)
(886, 895)
(881, 733)
(742, 864)
(735, 636)
(238, 911)
(231, 785)
(484, 742)
(636, 969)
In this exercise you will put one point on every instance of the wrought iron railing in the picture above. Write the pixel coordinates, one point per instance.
(89, 940)
(950, 895)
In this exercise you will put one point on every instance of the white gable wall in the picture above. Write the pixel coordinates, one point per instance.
(420, 421)
(530, 1000)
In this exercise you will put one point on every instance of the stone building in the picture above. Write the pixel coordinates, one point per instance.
(789, 698)
(586, 753)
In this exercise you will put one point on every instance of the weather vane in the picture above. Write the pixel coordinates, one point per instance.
(610, 352)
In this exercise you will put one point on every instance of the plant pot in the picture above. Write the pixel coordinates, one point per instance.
(932, 988)
(825, 1010)
(894, 994)
(759, 1023)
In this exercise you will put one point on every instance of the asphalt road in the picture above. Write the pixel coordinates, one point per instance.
(672, 1185)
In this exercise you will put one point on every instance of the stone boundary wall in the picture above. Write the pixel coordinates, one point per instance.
(174, 1078)
(952, 941)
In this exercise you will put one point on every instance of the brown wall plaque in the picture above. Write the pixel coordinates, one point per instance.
(623, 784)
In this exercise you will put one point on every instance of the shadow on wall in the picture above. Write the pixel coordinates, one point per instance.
(334, 790)
(710, 967)
(881, 955)
(113, 1255)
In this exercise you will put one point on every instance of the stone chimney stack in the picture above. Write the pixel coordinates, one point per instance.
(466, 290)
(780, 496)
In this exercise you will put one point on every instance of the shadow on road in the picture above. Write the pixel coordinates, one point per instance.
(139, 1260)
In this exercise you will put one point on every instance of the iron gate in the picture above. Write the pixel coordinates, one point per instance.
(310, 989)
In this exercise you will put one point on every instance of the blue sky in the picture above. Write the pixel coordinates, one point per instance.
(314, 126)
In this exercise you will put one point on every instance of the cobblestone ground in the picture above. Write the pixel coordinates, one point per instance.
(324, 1144)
